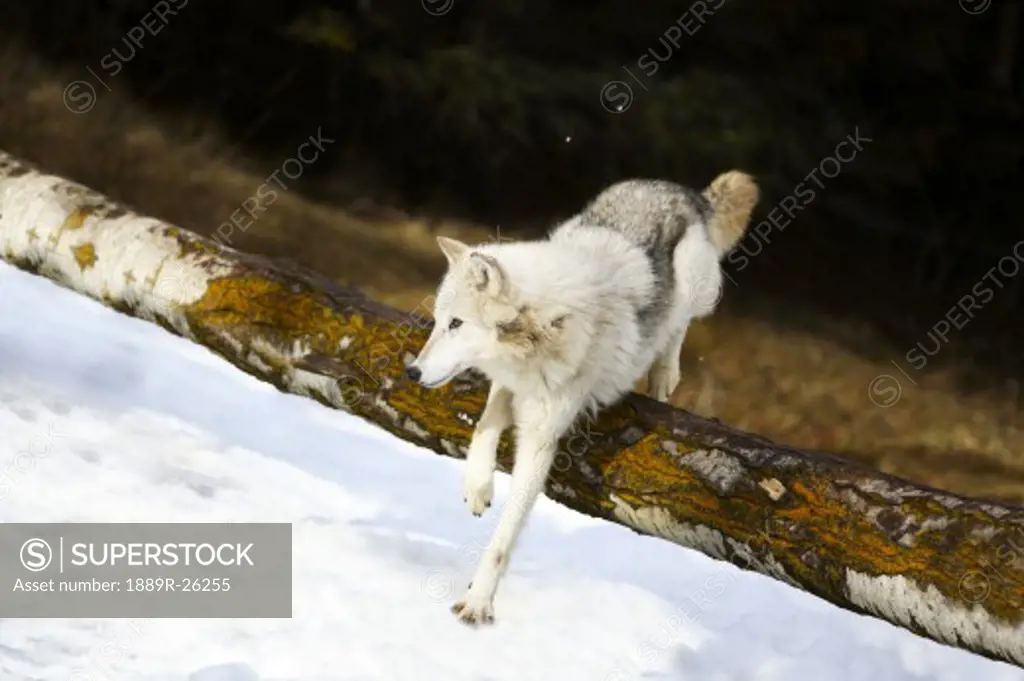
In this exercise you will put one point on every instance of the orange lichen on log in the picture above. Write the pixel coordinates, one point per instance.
(85, 255)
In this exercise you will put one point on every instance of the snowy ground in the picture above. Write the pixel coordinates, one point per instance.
(128, 423)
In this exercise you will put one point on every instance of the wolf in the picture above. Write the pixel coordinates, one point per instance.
(567, 324)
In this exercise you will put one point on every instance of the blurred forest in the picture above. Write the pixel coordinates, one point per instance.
(449, 115)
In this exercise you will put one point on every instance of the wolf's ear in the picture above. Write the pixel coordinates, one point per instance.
(487, 274)
(453, 249)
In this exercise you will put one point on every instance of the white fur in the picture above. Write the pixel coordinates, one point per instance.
(581, 290)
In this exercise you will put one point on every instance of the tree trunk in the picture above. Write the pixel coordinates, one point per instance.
(940, 565)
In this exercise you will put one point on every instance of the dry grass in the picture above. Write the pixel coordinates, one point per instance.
(792, 387)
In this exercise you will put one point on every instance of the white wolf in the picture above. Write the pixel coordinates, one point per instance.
(570, 323)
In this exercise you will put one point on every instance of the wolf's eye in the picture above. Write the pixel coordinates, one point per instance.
(455, 323)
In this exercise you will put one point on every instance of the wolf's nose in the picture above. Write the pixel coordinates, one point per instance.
(413, 372)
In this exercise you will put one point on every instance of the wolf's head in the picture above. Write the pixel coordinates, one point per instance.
(479, 321)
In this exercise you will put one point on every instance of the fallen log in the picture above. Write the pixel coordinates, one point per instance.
(930, 561)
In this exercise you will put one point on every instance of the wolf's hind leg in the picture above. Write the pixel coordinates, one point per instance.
(663, 377)
(481, 458)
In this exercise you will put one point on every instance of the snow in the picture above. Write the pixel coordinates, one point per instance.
(108, 418)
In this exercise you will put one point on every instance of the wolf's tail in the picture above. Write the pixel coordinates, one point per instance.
(732, 195)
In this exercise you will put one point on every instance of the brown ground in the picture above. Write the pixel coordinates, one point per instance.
(790, 386)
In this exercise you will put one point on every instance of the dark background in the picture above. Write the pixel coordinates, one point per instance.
(468, 113)
(492, 112)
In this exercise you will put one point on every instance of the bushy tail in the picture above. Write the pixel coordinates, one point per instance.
(733, 195)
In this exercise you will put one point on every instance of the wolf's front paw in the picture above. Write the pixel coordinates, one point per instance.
(478, 488)
(473, 611)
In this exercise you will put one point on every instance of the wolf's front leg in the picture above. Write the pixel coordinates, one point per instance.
(538, 428)
(478, 481)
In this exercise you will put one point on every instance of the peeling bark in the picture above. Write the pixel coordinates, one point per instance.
(943, 566)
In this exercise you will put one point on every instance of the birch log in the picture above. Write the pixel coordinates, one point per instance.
(945, 567)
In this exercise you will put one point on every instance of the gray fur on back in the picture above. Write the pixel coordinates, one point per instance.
(655, 215)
